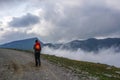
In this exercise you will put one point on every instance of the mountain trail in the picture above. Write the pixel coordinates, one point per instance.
(18, 65)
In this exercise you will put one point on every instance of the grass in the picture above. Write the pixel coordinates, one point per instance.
(102, 71)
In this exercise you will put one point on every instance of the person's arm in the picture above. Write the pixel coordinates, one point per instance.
(34, 47)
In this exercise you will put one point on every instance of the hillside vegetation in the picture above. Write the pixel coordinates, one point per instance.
(101, 71)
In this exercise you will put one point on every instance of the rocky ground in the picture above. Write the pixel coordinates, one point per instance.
(18, 65)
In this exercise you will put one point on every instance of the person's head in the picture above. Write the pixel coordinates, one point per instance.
(36, 40)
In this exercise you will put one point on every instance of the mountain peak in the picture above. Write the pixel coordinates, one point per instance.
(91, 39)
(25, 44)
(34, 38)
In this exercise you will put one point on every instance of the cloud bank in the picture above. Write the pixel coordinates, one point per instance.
(24, 21)
(105, 56)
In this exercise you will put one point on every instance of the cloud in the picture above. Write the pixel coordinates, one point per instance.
(86, 20)
(6, 1)
(5, 4)
(44, 29)
(24, 21)
(65, 20)
(1, 29)
(90, 22)
(105, 56)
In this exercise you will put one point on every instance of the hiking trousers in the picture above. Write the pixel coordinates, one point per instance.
(37, 58)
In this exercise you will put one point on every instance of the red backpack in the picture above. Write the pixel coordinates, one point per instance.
(37, 46)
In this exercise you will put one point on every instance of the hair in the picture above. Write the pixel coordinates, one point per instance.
(36, 40)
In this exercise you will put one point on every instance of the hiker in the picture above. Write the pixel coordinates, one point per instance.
(37, 50)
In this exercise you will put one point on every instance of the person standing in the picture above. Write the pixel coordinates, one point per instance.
(37, 50)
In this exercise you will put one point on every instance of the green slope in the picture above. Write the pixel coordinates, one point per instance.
(101, 71)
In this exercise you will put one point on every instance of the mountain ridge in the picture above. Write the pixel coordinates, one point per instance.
(91, 44)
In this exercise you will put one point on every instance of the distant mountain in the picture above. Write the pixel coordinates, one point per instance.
(54, 46)
(26, 44)
(91, 44)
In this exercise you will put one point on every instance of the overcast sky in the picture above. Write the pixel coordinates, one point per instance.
(57, 20)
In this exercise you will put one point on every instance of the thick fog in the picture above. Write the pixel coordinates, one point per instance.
(105, 56)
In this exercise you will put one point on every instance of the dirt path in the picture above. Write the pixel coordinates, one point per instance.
(17, 65)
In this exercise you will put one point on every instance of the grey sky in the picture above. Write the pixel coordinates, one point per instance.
(59, 21)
